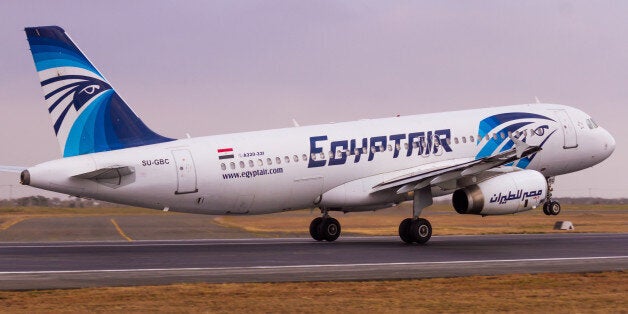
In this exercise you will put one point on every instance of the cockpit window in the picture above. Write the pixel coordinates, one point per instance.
(592, 125)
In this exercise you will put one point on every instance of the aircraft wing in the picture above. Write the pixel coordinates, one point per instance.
(447, 176)
(15, 169)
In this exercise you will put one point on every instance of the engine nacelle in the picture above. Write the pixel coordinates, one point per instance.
(505, 194)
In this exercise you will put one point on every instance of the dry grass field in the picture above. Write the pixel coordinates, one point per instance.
(444, 220)
(541, 293)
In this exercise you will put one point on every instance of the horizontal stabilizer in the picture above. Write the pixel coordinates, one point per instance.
(106, 173)
(15, 169)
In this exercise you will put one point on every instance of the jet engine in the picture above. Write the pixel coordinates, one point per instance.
(505, 194)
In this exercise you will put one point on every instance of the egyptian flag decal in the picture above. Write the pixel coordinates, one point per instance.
(225, 153)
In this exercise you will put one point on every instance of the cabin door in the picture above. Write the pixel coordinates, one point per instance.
(569, 131)
(186, 172)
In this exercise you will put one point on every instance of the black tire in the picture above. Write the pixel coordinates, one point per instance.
(404, 230)
(421, 231)
(554, 208)
(314, 227)
(546, 206)
(329, 229)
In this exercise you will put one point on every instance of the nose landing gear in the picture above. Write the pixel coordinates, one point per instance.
(550, 208)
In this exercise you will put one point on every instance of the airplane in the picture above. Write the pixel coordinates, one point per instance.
(492, 161)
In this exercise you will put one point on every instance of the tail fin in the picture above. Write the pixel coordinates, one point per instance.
(87, 114)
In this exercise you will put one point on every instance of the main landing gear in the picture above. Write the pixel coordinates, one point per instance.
(325, 228)
(415, 229)
(550, 208)
(411, 230)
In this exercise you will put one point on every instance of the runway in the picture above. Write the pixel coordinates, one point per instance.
(89, 264)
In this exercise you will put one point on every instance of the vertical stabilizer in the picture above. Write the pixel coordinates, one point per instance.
(87, 114)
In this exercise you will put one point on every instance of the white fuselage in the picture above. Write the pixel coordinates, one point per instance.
(288, 169)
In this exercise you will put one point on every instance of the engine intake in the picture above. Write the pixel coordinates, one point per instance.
(505, 194)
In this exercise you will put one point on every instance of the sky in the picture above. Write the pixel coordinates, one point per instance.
(214, 67)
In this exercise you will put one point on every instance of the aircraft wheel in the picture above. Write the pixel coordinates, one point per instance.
(314, 229)
(329, 229)
(546, 206)
(421, 230)
(554, 208)
(404, 230)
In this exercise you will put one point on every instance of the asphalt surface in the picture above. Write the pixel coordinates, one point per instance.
(117, 263)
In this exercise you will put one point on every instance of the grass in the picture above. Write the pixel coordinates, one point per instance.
(541, 293)
(586, 218)
(445, 221)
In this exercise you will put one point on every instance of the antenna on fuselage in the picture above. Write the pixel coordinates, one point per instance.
(537, 100)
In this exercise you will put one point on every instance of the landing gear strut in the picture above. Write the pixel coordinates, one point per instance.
(550, 207)
(415, 229)
(325, 228)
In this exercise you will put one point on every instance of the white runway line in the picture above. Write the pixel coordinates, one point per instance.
(310, 266)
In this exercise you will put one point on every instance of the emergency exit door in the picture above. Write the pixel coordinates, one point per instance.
(186, 172)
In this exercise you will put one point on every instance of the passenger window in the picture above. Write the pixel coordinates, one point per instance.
(232, 165)
(486, 137)
(405, 145)
(223, 166)
(503, 136)
(471, 139)
(531, 132)
(242, 165)
(464, 140)
(415, 145)
(389, 148)
(322, 156)
(495, 136)
(296, 158)
(373, 149)
(448, 140)
(304, 157)
(397, 147)
(278, 160)
(509, 133)
(251, 163)
(456, 140)
(313, 156)
(269, 161)
(363, 150)
(287, 159)
(260, 162)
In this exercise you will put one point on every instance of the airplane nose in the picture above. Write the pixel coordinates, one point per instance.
(609, 144)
